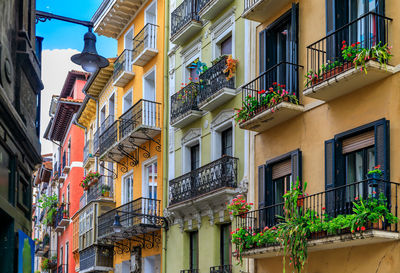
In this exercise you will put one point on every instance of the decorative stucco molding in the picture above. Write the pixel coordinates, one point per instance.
(190, 135)
(222, 117)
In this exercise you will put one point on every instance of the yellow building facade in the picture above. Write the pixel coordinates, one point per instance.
(344, 125)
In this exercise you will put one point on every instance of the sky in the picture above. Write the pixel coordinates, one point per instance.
(59, 35)
(61, 41)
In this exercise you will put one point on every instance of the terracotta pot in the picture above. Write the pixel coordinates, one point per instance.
(300, 201)
(378, 225)
(348, 65)
(285, 99)
(106, 194)
(333, 72)
(318, 235)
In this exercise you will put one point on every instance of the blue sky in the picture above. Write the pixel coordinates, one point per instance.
(63, 35)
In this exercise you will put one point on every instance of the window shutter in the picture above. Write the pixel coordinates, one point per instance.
(358, 142)
(262, 51)
(330, 174)
(296, 165)
(261, 186)
(382, 146)
(293, 38)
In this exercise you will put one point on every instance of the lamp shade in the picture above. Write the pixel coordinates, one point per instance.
(117, 224)
(89, 59)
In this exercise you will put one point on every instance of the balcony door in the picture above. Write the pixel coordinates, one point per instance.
(149, 96)
(194, 157)
(150, 190)
(150, 17)
(278, 46)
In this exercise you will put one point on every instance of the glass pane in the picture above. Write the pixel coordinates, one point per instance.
(194, 250)
(226, 46)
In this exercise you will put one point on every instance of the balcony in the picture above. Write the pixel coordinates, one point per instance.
(221, 269)
(96, 259)
(184, 108)
(139, 124)
(190, 271)
(215, 90)
(263, 10)
(123, 69)
(345, 78)
(88, 153)
(185, 22)
(261, 113)
(106, 134)
(209, 9)
(145, 45)
(62, 218)
(210, 185)
(137, 217)
(60, 269)
(101, 190)
(325, 206)
(39, 250)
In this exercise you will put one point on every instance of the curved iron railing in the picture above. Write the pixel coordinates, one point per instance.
(221, 269)
(367, 30)
(213, 80)
(62, 213)
(184, 14)
(331, 203)
(143, 213)
(218, 174)
(108, 137)
(146, 38)
(183, 101)
(100, 189)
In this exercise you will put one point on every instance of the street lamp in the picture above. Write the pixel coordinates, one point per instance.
(88, 58)
(117, 227)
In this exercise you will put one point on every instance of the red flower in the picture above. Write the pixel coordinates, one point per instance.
(343, 42)
(362, 228)
(358, 43)
(323, 208)
(358, 229)
(356, 198)
(261, 92)
(353, 45)
(274, 83)
(243, 201)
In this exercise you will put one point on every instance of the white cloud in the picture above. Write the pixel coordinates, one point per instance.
(55, 66)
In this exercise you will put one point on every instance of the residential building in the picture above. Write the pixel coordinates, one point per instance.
(207, 153)
(344, 125)
(45, 237)
(129, 130)
(20, 86)
(68, 157)
(91, 254)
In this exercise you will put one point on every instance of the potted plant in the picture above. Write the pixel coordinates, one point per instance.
(230, 69)
(239, 206)
(45, 264)
(375, 175)
(105, 190)
(378, 52)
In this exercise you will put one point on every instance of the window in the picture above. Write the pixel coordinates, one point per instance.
(5, 173)
(127, 101)
(128, 39)
(193, 75)
(86, 233)
(66, 257)
(226, 142)
(127, 189)
(225, 233)
(61, 255)
(69, 153)
(349, 156)
(194, 250)
(278, 44)
(226, 46)
(149, 95)
(274, 178)
(68, 200)
(195, 157)
(111, 109)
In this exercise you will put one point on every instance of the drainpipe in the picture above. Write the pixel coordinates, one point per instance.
(165, 131)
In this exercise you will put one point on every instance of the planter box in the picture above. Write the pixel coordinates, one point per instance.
(349, 80)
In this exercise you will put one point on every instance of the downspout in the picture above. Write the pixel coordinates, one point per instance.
(165, 131)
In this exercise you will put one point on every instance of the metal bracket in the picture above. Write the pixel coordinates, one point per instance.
(114, 174)
(146, 153)
(123, 168)
(134, 160)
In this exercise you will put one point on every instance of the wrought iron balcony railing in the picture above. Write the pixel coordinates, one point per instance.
(146, 38)
(62, 214)
(329, 203)
(60, 269)
(83, 200)
(367, 30)
(136, 217)
(184, 14)
(87, 150)
(100, 189)
(123, 63)
(218, 174)
(284, 73)
(221, 269)
(108, 137)
(143, 113)
(106, 123)
(96, 256)
(213, 80)
(183, 101)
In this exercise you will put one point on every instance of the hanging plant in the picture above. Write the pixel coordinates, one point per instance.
(230, 68)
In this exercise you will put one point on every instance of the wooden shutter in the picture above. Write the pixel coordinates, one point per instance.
(330, 174)
(358, 142)
(382, 146)
(296, 165)
(281, 169)
(261, 186)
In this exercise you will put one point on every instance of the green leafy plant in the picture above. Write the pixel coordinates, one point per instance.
(349, 52)
(104, 189)
(46, 202)
(239, 206)
(378, 52)
(377, 170)
(89, 178)
(45, 264)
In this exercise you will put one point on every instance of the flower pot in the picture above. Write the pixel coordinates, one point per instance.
(378, 225)
(85, 188)
(333, 72)
(347, 66)
(106, 194)
(300, 201)
(318, 235)
(93, 181)
(285, 99)
(373, 179)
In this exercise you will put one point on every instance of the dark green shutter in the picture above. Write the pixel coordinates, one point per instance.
(264, 192)
(293, 56)
(296, 166)
(330, 174)
(261, 186)
(382, 146)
